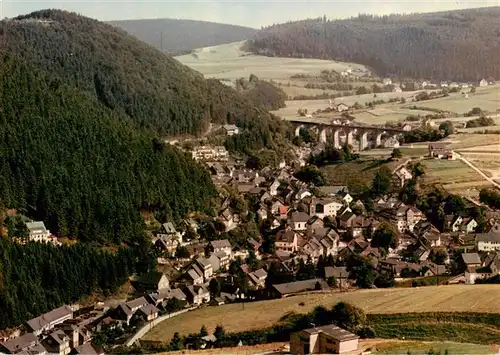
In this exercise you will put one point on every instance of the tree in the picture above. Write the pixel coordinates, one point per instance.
(311, 174)
(182, 252)
(438, 256)
(396, 154)
(203, 331)
(348, 316)
(219, 225)
(381, 181)
(447, 127)
(176, 342)
(384, 237)
(214, 287)
(219, 332)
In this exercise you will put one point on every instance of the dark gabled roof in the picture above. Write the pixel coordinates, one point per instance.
(491, 236)
(299, 217)
(218, 244)
(299, 286)
(148, 309)
(21, 342)
(126, 309)
(471, 258)
(151, 278)
(137, 302)
(347, 216)
(337, 272)
(49, 317)
(260, 273)
(86, 349)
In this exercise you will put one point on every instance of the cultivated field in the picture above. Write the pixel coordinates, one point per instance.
(455, 176)
(229, 62)
(255, 315)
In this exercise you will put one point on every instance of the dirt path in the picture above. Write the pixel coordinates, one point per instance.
(486, 177)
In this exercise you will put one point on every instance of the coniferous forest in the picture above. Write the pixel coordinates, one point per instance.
(84, 110)
(461, 45)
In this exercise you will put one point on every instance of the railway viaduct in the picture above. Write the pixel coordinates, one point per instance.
(333, 130)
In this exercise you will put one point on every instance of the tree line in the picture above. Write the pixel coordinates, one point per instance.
(453, 45)
(36, 278)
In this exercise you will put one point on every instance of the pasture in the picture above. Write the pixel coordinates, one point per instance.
(230, 62)
(256, 315)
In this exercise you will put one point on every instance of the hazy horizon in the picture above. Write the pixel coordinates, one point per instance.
(251, 13)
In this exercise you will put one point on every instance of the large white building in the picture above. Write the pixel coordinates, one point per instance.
(488, 241)
(38, 232)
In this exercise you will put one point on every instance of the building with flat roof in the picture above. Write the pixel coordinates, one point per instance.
(327, 339)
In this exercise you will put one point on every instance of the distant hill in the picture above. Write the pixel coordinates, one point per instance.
(460, 45)
(181, 36)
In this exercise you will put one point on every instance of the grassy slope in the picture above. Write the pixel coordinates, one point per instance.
(256, 315)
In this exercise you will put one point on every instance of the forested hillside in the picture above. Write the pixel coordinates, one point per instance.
(181, 36)
(455, 45)
(77, 165)
(37, 278)
(138, 82)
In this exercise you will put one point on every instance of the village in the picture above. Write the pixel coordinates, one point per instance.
(275, 236)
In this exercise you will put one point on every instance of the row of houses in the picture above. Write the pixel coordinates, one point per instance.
(64, 330)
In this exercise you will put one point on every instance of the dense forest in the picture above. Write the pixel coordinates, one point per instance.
(75, 164)
(180, 36)
(36, 278)
(460, 45)
(138, 82)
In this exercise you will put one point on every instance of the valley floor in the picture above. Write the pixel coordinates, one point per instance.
(256, 315)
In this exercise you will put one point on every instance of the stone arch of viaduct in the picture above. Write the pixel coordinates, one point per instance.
(365, 133)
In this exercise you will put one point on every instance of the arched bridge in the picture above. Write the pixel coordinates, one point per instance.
(333, 129)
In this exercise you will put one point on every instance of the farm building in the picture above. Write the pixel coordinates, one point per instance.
(438, 152)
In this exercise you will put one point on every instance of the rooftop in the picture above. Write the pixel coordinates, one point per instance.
(471, 258)
(298, 286)
(21, 342)
(49, 317)
(219, 244)
(333, 331)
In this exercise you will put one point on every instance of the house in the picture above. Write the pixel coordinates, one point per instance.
(136, 303)
(437, 152)
(24, 344)
(275, 207)
(312, 248)
(313, 225)
(221, 245)
(147, 312)
(345, 221)
(327, 339)
(401, 177)
(298, 220)
(301, 194)
(387, 81)
(471, 259)
(197, 294)
(49, 320)
(227, 217)
(273, 188)
(124, 313)
(324, 207)
(195, 275)
(152, 281)
(483, 82)
(341, 107)
(258, 278)
(454, 223)
(397, 89)
(224, 259)
(290, 288)
(230, 129)
(286, 240)
(468, 225)
(206, 267)
(57, 343)
(341, 191)
(159, 298)
(488, 241)
(38, 233)
(168, 238)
